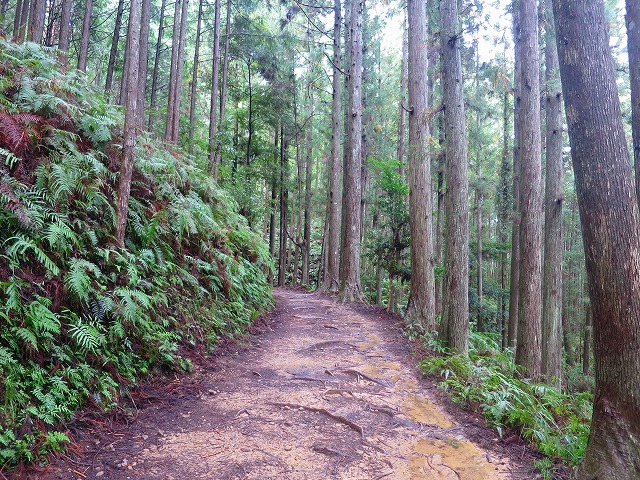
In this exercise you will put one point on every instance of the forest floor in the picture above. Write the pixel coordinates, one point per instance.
(322, 391)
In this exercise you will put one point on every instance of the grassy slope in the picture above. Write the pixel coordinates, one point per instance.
(81, 320)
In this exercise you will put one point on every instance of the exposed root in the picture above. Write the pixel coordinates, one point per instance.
(329, 343)
(366, 377)
(326, 450)
(323, 411)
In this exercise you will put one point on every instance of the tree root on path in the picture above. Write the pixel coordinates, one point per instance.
(329, 343)
(366, 377)
(323, 411)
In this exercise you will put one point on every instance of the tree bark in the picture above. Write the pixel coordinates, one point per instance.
(586, 343)
(455, 318)
(334, 194)
(130, 122)
(213, 112)
(145, 24)
(611, 231)
(36, 21)
(24, 20)
(633, 49)
(350, 289)
(308, 165)
(156, 61)
(223, 88)
(17, 20)
(170, 134)
(65, 27)
(553, 237)
(194, 79)
(421, 306)
(114, 48)
(528, 352)
(514, 276)
(84, 38)
(284, 205)
(504, 209)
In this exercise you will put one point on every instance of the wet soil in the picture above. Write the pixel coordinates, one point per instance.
(325, 391)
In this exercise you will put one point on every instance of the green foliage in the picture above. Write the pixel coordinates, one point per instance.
(488, 380)
(80, 320)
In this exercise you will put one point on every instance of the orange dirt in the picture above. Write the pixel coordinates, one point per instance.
(330, 392)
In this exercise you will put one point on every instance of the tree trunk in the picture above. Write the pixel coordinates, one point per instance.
(350, 289)
(611, 232)
(65, 27)
(308, 165)
(24, 20)
(194, 79)
(528, 352)
(213, 112)
(84, 38)
(114, 48)
(145, 24)
(223, 88)
(130, 122)
(455, 318)
(586, 343)
(173, 74)
(334, 193)
(553, 238)
(421, 306)
(479, 318)
(156, 61)
(36, 21)
(17, 20)
(514, 276)
(633, 48)
(284, 205)
(504, 209)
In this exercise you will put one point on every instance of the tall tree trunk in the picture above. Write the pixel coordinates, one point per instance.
(113, 53)
(455, 318)
(504, 210)
(24, 20)
(586, 343)
(528, 352)
(611, 231)
(223, 88)
(514, 277)
(156, 62)
(421, 306)
(633, 48)
(308, 165)
(350, 289)
(284, 206)
(130, 122)
(273, 203)
(194, 79)
(213, 112)
(479, 317)
(334, 193)
(17, 20)
(145, 24)
(553, 238)
(65, 27)
(173, 73)
(36, 21)
(84, 38)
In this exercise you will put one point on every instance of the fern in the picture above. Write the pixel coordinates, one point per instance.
(78, 281)
(19, 245)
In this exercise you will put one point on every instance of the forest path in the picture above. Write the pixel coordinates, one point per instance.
(330, 392)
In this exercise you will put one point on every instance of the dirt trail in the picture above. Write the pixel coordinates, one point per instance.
(330, 393)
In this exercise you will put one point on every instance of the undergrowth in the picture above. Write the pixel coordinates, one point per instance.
(488, 381)
(81, 321)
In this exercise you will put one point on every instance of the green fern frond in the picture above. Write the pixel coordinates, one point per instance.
(19, 245)
(78, 281)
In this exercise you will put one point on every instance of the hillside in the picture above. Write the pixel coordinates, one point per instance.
(82, 321)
